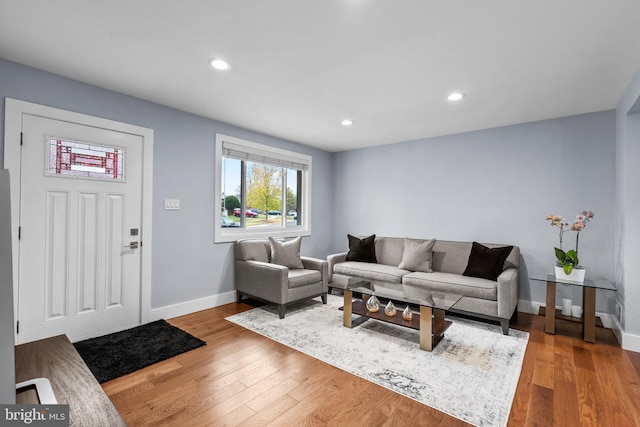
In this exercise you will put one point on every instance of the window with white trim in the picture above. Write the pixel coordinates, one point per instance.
(261, 191)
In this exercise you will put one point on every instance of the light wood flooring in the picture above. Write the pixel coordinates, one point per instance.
(243, 379)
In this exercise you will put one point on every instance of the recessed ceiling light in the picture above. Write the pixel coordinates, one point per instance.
(219, 64)
(455, 96)
(347, 122)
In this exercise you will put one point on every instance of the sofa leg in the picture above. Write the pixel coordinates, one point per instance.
(329, 290)
(505, 326)
(324, 298)
(238, 297)
(281, 309)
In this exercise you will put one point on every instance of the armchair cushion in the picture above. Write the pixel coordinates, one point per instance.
(299, 277)
(286, 253)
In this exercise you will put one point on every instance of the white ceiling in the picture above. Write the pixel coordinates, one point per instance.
(300, 66)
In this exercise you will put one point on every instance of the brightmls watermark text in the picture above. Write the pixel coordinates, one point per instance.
(34, 415)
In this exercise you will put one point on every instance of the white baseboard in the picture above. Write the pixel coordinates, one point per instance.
(533, 307)
(630, 342)
(528, 306)
(188, 307)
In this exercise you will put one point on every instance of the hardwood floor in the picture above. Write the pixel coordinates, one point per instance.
(244, 379)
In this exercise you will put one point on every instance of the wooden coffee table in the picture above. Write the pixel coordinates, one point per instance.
(430, 321)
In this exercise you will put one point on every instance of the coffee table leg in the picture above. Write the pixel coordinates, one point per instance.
(550, 311)
(348, 308)
(589, 314)
(438, 320)
(426, 328)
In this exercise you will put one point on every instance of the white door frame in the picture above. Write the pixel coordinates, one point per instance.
(14, 109)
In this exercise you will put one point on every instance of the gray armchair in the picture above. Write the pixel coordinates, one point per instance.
(257, 276)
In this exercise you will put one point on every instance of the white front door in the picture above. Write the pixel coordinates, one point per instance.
(80, 224)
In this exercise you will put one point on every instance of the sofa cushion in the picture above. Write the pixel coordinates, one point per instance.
(417, 255)
(370, 271)
(303, 277)
(486, 263)
(363, 250)
(286, 253)
(453, 283)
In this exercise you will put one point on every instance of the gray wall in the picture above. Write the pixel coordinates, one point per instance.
(496, 185)
(628, 210)
(187, 265)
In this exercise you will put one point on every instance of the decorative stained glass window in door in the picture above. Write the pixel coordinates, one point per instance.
(73, 159)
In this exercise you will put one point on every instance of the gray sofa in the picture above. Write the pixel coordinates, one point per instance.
(494, 300)
(258, 275)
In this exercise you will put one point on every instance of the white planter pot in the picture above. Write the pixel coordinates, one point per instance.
(577, 274)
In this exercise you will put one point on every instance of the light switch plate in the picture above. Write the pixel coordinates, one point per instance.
(171, 204)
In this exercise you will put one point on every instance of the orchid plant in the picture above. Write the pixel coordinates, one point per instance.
(568, 260)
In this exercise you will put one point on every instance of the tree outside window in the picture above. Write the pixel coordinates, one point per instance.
(264, 187)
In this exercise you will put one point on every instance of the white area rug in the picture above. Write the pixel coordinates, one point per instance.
(472, 374)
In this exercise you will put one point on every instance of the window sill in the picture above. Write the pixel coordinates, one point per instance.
(227, 235)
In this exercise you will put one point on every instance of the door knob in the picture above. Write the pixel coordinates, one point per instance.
(132, 245)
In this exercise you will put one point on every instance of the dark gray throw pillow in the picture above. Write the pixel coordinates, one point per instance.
(486, 263)
(363, 250)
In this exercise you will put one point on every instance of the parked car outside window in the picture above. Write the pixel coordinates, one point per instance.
(252, 213)
(273, 213)
(226, 222)
(294, 214)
